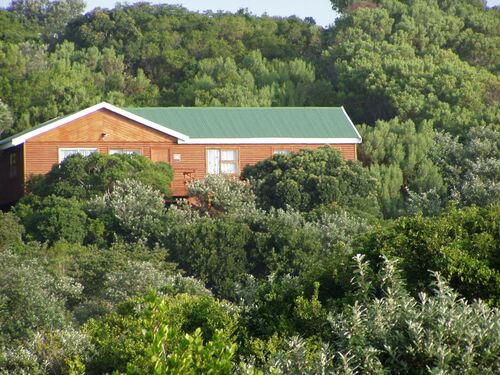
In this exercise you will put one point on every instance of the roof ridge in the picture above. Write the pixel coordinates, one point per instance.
(231, 124)
(242, 108)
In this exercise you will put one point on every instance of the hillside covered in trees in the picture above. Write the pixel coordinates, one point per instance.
(308, 263)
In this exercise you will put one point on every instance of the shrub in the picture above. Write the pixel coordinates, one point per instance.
(222, 193)
(137, 279)
(267, 307)
(30, 298)
(395, 332)
(387, 331)
(120, 341)
(84, 177)
(212, 250)
(110, 275)
(53, 218)
(131, 210)
(461, 244)
(309, 178)
(174, 352)
(11, 231)
(47, 353)
(471, 167)
(184, 285)
(397, 155)
(284, 242)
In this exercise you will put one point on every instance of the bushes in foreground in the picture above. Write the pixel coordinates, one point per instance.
(461, 244)
(387, 331)
(383, 330)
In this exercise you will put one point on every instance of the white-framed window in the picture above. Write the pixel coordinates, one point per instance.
(282, 152)
(222, 161)
(126, 151)
(84, 151)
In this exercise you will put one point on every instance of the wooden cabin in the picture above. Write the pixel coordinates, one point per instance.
(195, 141)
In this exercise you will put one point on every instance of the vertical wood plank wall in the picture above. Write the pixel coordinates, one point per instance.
(105, 130)
(11, 187)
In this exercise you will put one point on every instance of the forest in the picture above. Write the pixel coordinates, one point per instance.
(308, 263)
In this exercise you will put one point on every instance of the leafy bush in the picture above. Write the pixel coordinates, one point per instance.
(184, 285)
(471, 167)
(180, 214)
(174, 352)
(387, 331)
(309, 178)
(171, 350)
(53, 218)
(131, 210)
(398, 156)
(84, 177)
(6, 119)
(267, 307)
(137, 279)
(461, 244)
(298, 357)
(119, 338)
(212, 250)
(223, 194)
(11, 231)
(110, 275)
(47, 353)
(438, 334)
(275, 309)
(31, 299)
(284, 242)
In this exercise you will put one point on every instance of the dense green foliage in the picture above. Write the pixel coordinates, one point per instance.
(131, 210)
(282, 273)
(125, 339)
(309, 179)
(5, 118)
(82, 178)
(397, 155)
(259, 276)
(398, 333)
(462, 245)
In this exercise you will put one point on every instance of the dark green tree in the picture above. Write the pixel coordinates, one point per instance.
(460, 244)
(398, 156)
(53, 218)
(52, 16)
(84, 177)
(212, 250)
(309, 178)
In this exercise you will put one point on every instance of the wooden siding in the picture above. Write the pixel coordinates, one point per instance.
(11, 186)
(105, 130)
(193, 162)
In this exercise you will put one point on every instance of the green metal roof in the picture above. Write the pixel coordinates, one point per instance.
(244, 122)
(226, 124)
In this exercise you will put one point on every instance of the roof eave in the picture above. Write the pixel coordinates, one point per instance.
(232, 141)
(352, 124)
(6, 145)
